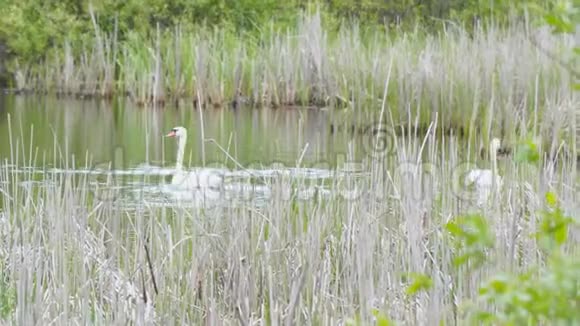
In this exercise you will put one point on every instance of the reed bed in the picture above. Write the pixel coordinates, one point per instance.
(70, 254)
(453, 71)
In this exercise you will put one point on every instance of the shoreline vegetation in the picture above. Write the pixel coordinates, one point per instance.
(309, 63)
(307, 66)
(500, 77)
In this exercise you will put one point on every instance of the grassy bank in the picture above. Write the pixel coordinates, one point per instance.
(311, 65)
(500, 76)
(381, 241)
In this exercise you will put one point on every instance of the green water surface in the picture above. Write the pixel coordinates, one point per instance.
(57, 128)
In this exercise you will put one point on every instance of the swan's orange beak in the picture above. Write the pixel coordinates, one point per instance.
(170, 134)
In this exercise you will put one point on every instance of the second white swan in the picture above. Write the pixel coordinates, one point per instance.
(486, 181)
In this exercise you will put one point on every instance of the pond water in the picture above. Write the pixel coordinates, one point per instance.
(249, 135)
(126, 141)
(121, 150)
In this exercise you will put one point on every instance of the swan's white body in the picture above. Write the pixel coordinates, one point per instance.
(486, 180)
(201, 178)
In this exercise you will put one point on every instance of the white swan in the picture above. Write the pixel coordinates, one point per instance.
(486, 180)
(193, 179)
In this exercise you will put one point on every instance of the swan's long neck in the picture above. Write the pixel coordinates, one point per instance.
(493, 157)
(494, 166)
(180, 151)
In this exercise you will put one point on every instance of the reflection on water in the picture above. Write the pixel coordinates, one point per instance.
(130, 135)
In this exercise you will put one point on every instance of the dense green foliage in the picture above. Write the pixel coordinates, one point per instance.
(29, 28)
(537, 294)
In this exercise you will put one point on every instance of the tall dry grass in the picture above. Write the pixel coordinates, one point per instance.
(454, 71)
(71, 255)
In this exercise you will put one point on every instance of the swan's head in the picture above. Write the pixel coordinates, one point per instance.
(177, 132)
(495, 145)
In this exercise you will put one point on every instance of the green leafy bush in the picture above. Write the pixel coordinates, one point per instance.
(540, 294)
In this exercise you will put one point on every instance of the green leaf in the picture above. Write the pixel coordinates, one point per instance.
(420, 282)
(460, 260)
(484, 317)
(551, 199)
(382, 320)
(553, 20)
(472, 238)
(553, 227)
(561, 234)
(453, 228)
(499, 285)
(527, 153)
